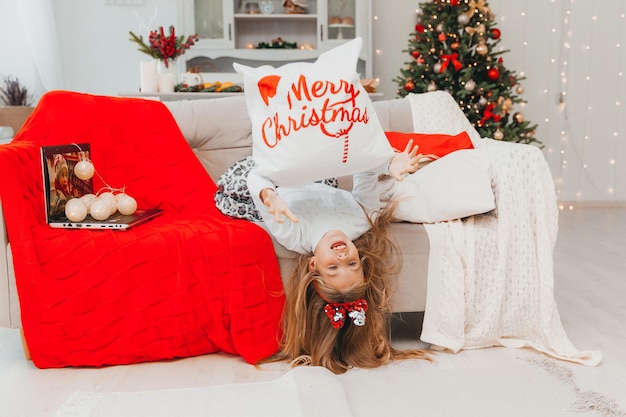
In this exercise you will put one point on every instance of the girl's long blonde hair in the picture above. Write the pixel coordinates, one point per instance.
(308, 337)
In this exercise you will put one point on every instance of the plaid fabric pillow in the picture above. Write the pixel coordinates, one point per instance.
(233, 198)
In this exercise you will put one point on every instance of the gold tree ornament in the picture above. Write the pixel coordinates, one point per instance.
(482, 49)
(480, 6)
(480, 29)
(505, 106)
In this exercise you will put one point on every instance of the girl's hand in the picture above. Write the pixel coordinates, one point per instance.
(405, 162)
(277, 205)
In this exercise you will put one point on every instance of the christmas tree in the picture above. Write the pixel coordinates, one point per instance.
(453, 49)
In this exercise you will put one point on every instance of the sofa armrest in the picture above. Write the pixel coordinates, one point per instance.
(7, 288)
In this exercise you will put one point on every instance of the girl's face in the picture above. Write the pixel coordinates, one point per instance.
(336, 259)
(63, 176)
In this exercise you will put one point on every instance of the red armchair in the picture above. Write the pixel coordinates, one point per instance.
(189, 282)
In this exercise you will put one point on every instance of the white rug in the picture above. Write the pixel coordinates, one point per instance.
(295, 394)
(537, 387)
(528, 388)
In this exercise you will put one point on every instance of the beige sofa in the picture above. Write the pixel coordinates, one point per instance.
(218, 130)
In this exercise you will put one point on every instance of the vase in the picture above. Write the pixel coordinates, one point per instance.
(148, 77)
(167, 76)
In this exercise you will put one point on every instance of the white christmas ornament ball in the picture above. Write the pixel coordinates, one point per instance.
(126, 204)
(84, 170)
(463, 19)
(437, 67)
(482, 101)
(87, 199)
(432, 87)
(109, 197)
(100, 209)
(75, 210)
(470, 85)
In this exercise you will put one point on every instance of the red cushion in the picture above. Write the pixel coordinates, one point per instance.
(431, 146)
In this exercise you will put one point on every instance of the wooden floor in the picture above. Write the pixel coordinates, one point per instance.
(590, 280)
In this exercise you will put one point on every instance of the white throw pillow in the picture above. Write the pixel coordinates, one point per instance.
(438, 112)
(455, 186)
(312, 121)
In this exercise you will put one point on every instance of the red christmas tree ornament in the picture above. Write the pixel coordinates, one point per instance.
(493, 74)
(457, 42)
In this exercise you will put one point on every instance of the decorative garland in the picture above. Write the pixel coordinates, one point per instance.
(277, 43)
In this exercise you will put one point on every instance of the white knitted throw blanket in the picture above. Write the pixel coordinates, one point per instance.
(490, 278)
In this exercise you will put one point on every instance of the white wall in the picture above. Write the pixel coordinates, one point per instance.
(97, 55)
(13, 61)
(583, 142)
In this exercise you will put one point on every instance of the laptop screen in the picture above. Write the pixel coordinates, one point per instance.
(60, 182)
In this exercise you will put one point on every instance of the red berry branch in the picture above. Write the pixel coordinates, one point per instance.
(164, 47)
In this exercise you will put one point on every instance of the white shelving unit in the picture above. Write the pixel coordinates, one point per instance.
(230, 31)
(200, 96)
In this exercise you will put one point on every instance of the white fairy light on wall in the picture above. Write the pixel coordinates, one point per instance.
(577, 146)
(562, 95)
(581, 155)
(547, 94)
(378, 26)
(616, 138)
(584, 155)
(595, 147)
(545, 91)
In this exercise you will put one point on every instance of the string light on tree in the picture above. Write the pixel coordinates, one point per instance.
(456, 43)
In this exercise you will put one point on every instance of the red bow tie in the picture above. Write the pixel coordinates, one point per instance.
(337, 312)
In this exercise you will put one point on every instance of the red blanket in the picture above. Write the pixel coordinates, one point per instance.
(189, 282)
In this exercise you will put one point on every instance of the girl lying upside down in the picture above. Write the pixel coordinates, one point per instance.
(337, 311)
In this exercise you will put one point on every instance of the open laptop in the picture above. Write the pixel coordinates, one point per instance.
(61, 185)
